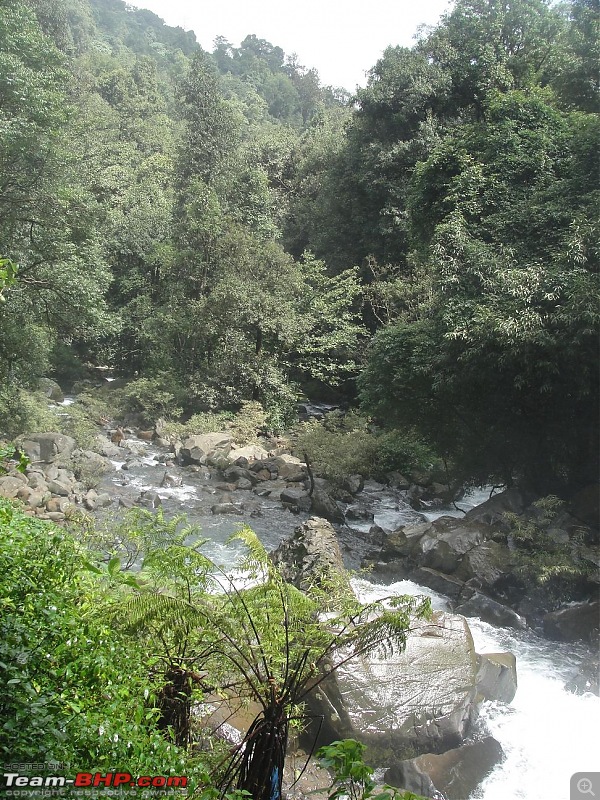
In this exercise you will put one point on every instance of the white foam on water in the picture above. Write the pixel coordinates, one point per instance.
(547, 733)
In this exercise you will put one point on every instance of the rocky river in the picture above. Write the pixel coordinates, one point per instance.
(477, 742)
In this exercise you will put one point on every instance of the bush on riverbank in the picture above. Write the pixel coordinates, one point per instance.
(348, 444)
(77, 690)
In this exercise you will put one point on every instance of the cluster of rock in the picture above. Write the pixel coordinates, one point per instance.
(473, 562)
(422, 701)
(271, 473)
(50, 488)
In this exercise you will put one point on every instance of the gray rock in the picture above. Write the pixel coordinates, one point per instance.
(483, 607)
(51, 389)
(323, 505)
(90, 462)
(445, 545)
(397, 481)
(493, 510)
(250, 453)
(497, 676)
(36, 479)
(289, 468)
(225, 508)
(150, 499)
(457, 773)
(60, 488)
(310, 555)
(37, 499)
(170, 481)
(486, 564)
(579, 621)
(243, 483)
(198, 449)
(50, 471)
(10, 485)
(234, 474)
(358, 513)
(424, 699)
(444, 584)
(225, 487)
(404, 541)
(296, 498)
(103, 500)
(353, 484)
(46, 447)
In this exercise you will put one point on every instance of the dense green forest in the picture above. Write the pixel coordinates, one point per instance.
(220, 227)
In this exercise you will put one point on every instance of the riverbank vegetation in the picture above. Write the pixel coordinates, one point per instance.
(114, 669)
(219, 228)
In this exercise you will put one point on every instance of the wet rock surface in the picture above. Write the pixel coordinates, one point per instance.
(455, 774)
(311, 555)
(423, 699)
(497, 676)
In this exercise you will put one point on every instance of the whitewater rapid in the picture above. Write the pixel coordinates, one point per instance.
(546, 732)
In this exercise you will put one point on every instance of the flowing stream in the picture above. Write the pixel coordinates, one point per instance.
(547, 733)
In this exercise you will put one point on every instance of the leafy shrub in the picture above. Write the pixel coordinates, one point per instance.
(66, 367)
(345, 444)
(339, 446)
(202, 422)
(249, 421)
(76, 690)
(545, 561)
(25, 412)
(352, 778)
(402, 451)
(151, 398)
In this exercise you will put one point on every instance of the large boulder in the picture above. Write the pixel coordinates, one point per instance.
(311, 555)
(444, 546)
(251, 452)
(457, 773)
(296, 499)
(323, 505)
(46, 447)
(11, 484)
(487, 565)
(497, 676)
(476, 604)
(51, 389)
(203, 447)
(421, 700)
(578, 621)
(493, 511)
(289, 468)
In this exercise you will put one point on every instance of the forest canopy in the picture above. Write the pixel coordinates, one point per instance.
(226, 228)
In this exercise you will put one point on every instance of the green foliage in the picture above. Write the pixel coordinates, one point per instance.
(9, 455)
(248, 422)
(83, 419)
(264, 643)
(76, 690)
(348, 444)
(511, 304)
(151, 398)
(557, 566)
(8, 272)
(352, 778)
(340, 446)
(22, 411)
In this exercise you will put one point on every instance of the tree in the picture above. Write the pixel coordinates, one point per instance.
(267, 643)
(501, 369)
